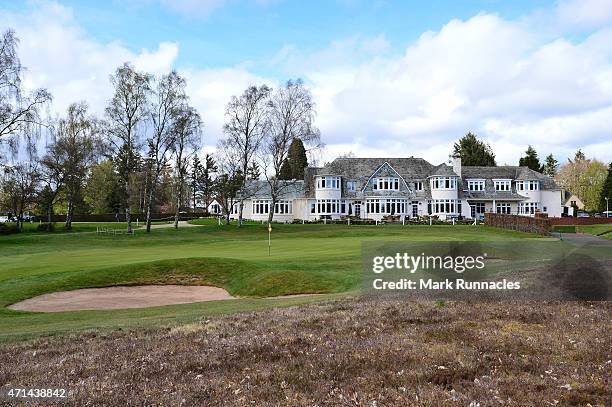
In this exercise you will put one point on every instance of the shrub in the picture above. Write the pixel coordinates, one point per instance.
(8, 228)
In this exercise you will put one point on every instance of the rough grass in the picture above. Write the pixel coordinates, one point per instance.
(343, 353)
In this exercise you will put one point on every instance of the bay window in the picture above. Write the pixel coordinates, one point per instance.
(443, 182)
(328, 182)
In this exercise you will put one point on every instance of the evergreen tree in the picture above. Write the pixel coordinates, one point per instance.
(207, 181)
(606, 191)
(285, 171)
(253, 172)
(531, 160)
(474, 152)
(293, 166)
(195, 179)
(550, 166)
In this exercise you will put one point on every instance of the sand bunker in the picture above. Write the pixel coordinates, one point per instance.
(121, 297)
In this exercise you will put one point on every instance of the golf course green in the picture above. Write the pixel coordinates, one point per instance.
(304, 259)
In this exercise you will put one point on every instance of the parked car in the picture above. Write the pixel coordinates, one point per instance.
(4, 219)
(583, 214)
(29, 218)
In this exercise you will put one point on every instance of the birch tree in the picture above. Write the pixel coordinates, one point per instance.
(125, 112)
(291, 117)
(168, 97)
(244, 131)
(187, 132)
(18, 110)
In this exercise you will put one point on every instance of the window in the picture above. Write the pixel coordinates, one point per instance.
(476, 184)
(330, 206)
(445, 206)
(386, 184)
(351, 186)
(502, 184)
(443, 182)
(418, 186)
(387, 206)
(477, 208)
(503, 207)
(528, 208)
(262, 207)
(527, 185)
(572, 203)
(415, 209)
(328, 182)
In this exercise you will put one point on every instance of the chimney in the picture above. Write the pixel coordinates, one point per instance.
(457, 164)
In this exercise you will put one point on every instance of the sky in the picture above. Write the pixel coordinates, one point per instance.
(390, 78)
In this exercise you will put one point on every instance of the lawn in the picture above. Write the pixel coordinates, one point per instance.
(604, 230)
(304, 259)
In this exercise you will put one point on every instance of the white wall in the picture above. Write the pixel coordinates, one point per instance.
(552, 201)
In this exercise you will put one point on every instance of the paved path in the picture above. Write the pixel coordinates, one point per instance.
(582, 239)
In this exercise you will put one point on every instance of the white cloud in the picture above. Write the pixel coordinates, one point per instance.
(496, 77)
(585, 13)
(502, 79)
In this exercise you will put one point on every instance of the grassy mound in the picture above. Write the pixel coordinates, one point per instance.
(238, 277)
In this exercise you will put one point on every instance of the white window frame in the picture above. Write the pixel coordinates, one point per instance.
(330, 206)
(328, 182)
(528, 208)
(386, 184)
(446, 206)
(503, 207)
(418, 186)
(503, 185)
(443, 183)
(351, 186)
(476, 185)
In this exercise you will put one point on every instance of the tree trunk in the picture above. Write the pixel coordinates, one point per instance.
(240, 208)
(179, 198)
(150, 201)
(69, 215)
(49, 212)
(149, 206)
(128, 217)
(272, 205)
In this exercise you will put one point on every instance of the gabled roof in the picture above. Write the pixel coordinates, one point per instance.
(509, 172)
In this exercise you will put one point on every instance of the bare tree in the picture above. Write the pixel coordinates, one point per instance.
(245, 129)
(74, 151)
(18, 111)
(169, 96)
(187, 133)
(125, 112)
(291, 116)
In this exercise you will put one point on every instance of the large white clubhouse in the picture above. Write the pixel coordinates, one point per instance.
(374, 188)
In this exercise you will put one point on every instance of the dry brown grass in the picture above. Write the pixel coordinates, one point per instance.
(362, 352)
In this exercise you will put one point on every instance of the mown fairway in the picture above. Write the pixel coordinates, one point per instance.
(305, 259)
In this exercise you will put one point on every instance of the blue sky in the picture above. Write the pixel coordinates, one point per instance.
(220, 33)
(390, 78)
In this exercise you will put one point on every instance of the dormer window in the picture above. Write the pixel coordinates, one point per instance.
(443, 183)
(351, 186)
(386, 184)
(527, 185)
(418, 186)
(476, 185)
(502, 185)
(328, 182)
